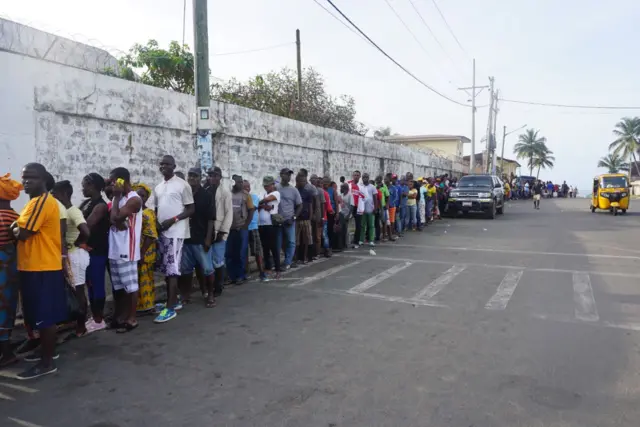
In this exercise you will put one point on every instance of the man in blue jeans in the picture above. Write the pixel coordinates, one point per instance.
(238, 241)
(290, 206)
(224, 216)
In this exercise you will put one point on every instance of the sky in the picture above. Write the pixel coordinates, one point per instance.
(567, 52)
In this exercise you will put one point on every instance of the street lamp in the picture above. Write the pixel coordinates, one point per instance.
(504, 136)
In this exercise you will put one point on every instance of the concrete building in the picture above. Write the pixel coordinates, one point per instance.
(510, 166)
(449, 146)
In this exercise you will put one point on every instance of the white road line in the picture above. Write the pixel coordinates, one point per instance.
(506, 289)
(23, 423)
(433, 288)
(585, 304)
(9, 374)
(381, 297)
(567, 319)
(19, 388)
(500, 266)
(372, 281)
(514, 251)
(6, 397)
(323, 274)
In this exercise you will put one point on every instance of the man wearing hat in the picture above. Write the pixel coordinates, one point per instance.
(290, 207)
(238, 242)
(196, 249)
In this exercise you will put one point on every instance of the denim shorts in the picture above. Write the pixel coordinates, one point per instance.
(193, 255)
(218, 251)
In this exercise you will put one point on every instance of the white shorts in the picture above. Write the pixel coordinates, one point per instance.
(78, 261)
(124, 275)
(536, 197)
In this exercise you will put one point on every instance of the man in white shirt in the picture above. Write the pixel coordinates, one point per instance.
(172, 200)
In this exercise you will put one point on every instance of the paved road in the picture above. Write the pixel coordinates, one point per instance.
(529, 320)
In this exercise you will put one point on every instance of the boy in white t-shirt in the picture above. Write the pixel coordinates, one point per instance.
(267, 208)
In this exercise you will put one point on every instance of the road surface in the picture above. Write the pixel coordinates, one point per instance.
(529, 320)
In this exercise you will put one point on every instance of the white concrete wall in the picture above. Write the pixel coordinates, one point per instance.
(75, 122)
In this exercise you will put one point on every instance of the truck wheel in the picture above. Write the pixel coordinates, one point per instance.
(492, 212)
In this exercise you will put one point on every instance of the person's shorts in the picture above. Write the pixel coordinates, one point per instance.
(536, 197)
(124, 275)
(255, 244)
(218, 251)
(392, 214)
(44, 299)
(194, 256)
(170, 250)
(303, 232)
(79, 262)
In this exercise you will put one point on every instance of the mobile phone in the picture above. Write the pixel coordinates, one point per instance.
(120, 182)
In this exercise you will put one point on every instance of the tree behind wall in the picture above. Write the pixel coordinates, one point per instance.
(274, 92)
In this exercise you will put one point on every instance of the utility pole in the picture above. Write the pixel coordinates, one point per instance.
(299, 64)
(490, 142)
(495, 141)
(504, 136)
(473, 94)
(204, 144)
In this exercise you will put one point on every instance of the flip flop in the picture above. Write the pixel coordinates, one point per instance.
(126, 327)
(210, 304)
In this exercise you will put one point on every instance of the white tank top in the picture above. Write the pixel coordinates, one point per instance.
(124, 245)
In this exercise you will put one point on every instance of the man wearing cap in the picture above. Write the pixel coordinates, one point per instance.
(268, 206)
(223, 208)
(173, 201)
(195, 253)
(238, 242)
(290, 207)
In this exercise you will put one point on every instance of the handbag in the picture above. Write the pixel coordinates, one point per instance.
(277, 220)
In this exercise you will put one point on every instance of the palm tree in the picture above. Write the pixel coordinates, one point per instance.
(543, 159)
(614, 163)
(528, 146)
(627, 142)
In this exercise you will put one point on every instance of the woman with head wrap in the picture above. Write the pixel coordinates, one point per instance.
(95, 212)
(146, 283)
(9, 284)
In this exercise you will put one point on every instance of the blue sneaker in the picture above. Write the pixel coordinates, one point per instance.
(165, 315)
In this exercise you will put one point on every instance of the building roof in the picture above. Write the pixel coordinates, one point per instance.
(421, 138)
(479, 158)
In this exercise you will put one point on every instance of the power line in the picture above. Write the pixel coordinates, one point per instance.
(448, 26)
(408, 29)
(339, 20)
(586, 107)
(254, 50)
(393, 60)
(430, 31)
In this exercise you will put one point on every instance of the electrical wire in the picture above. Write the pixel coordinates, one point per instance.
(393, 60)
(254, 50)
(339, 20)
(586, 107)
(448, 26)
(408, 29)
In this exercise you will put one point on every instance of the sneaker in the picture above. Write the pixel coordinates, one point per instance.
(265, 279)
(179, 306)
(355, 246)
(372, 244)
(93, 326)
(360, 243)
(27, 347)
(294, 265)
(165, 315)
(37, 356)
(37, 371)
(287, 267)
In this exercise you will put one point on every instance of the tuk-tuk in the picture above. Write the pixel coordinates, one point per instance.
(610, 192)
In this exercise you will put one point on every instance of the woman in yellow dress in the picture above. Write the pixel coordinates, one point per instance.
(146, 283)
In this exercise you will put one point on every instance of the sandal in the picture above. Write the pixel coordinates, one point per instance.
(210, 303)
(114, 324)
(126, 327)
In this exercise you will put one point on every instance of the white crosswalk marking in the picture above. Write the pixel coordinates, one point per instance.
(433, 288)
(506, 289)
(585, 304)
(372, 281)
(23, 423)
(323, 274)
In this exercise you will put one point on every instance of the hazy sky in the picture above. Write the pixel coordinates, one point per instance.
(568, 51)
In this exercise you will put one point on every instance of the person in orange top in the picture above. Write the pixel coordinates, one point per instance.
(40, 268)
(9, 284)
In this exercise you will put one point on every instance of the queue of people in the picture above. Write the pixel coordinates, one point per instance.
(53, 254)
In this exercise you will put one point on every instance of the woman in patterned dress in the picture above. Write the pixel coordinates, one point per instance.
(147, 291)
(9, 285)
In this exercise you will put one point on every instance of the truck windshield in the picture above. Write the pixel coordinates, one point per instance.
(475, 181)
(614, 182)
